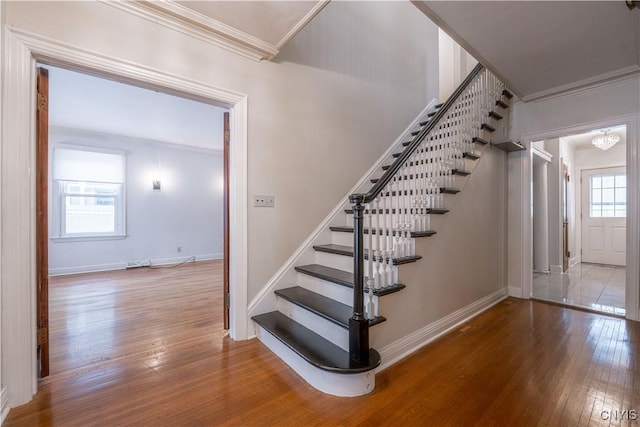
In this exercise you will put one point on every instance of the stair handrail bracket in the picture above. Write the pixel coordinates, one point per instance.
(400, 203)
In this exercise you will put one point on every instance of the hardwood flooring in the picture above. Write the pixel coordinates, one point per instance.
(520, 363)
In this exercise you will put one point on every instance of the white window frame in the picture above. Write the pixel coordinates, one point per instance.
(614, 188)
(59, 194)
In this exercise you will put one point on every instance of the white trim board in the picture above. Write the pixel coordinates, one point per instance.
(265, 299)
(17, 189)
(4, 407)
(403, 347)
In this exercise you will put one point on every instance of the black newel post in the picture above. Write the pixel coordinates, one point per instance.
(358, 324)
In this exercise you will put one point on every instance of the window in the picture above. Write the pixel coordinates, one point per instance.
(88, 192)
(608, 195)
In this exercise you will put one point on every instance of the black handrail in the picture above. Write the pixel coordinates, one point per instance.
(358, 324)
(409, 150)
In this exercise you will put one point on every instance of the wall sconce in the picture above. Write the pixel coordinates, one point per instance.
(156, 185)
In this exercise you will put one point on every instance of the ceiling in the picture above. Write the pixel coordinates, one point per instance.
(582, 141)
(84, 102)
(546, 47)
(255, 29)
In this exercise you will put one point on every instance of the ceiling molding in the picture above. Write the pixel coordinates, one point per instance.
(186, 21)
(585, 84)
(304, 21)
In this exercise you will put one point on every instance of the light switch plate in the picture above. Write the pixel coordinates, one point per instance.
(264, 201)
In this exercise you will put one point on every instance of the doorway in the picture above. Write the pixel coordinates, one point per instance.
(19, 244)
(587, 209)
(136, 187)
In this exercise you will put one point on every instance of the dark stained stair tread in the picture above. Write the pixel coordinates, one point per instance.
(327, 308)
(343, 278)
(495, 115)
(460, 172)
(508, 94)
(315, 349)
(471, 156)
(348, 251)
(502, 104)
(347, 229)
(481, 141)
(488, 127)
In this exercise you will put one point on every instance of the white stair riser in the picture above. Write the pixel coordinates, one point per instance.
(344, 385)
(341, 262)
(331, 290)
(321, 326)
(342, 238)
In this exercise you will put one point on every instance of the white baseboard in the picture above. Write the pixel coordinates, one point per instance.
(573, 261)
(4, 406)
(515, 292)
(403, 347)
(62, 271)
(556, 269)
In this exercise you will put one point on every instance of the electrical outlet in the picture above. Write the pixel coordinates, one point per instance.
(267, 201)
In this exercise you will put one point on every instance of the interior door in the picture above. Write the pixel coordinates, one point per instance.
(604, 212)
(225, 261)
(42, 232)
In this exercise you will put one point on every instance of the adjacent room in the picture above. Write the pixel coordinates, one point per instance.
(135, 220)
(579, 219)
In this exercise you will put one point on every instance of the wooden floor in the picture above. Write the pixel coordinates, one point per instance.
(520, 363)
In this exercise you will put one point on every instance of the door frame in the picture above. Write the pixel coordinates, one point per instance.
(522, 206)
(17, 193)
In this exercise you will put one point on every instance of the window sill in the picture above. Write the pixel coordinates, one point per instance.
(87, 238)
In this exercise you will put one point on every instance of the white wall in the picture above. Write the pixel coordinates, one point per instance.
(454, 64)
(186, 213)
(318, 116)
(554, 174)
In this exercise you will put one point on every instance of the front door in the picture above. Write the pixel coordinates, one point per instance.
(604, 212)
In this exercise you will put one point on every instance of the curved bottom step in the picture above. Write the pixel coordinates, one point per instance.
(322, 364)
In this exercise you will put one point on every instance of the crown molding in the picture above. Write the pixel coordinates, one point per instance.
(589, 83)
(186, 21)
(304, 21)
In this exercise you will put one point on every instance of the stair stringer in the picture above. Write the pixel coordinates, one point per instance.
(265, 300)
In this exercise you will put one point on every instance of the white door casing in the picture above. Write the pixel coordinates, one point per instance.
(603, 236)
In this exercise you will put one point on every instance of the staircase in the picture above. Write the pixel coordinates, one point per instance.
(321, 324)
